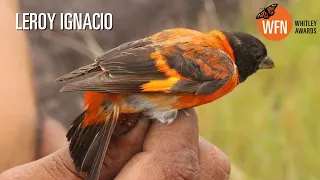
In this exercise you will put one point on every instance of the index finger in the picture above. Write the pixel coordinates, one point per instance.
(170, 151)
(182, 133)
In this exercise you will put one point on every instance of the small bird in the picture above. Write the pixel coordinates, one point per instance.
(156, 76)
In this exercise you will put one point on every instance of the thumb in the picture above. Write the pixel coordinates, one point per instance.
(55, 166)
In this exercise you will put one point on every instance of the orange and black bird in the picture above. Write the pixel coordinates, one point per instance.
(156, 76)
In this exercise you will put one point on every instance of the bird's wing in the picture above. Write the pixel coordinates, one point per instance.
(181, 63)
(159, 38)
(94, 67)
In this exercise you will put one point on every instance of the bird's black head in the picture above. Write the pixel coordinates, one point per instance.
(250, 54)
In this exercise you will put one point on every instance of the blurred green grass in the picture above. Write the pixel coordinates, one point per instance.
(269, 126)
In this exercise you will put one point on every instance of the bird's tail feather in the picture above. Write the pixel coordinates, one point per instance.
(88, 145)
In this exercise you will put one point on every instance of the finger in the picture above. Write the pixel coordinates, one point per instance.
(122, 148)
(182, 133)
(170, 151)
(214, 163)
(55, 166)
(53, 137)
(125, 123)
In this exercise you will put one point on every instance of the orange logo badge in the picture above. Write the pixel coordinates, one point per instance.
(274, 22)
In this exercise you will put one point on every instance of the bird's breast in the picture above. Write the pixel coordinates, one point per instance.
(193, 100)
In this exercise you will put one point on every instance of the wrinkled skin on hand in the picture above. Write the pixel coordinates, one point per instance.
(148, 151)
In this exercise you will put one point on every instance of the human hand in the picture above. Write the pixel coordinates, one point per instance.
(160, 151)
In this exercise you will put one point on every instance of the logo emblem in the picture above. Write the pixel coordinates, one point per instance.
(274, 22)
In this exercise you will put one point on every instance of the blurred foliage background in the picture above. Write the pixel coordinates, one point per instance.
(268, 126)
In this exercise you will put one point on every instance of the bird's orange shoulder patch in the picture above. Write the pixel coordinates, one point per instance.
(221, 42)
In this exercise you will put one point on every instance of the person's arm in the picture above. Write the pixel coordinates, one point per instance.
(160, 151)
(17, 94)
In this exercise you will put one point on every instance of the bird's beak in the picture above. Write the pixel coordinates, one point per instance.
(266, 63)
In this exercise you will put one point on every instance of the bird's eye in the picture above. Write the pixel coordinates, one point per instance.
(258, 56)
